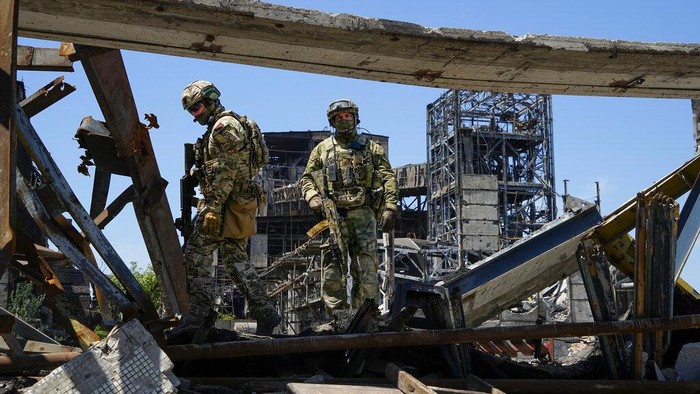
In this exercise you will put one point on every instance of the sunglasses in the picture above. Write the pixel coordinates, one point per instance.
(194, 107)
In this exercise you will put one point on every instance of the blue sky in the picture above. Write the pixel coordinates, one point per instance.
(625, 144)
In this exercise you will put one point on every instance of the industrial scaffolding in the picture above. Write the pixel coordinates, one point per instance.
(490, 168)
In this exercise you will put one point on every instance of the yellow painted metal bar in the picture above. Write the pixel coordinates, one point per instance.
(674, 185)
(613, 233)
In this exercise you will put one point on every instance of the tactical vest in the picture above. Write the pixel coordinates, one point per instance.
(203, 157)
(349, 172)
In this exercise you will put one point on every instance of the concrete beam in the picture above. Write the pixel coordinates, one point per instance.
(267, 35)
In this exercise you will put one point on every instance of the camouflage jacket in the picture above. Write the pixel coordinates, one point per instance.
(359, 164)
(223, 152)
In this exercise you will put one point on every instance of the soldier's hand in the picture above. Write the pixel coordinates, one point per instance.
(212, 223)
(388, 221)
(316, 203)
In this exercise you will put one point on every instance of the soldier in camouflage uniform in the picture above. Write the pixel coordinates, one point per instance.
(225, 174)
(356, 177)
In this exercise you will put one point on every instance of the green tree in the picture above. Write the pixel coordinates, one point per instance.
(24, 303)
(148, 281)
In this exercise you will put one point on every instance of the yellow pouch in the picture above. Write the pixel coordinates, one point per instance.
(239, 217)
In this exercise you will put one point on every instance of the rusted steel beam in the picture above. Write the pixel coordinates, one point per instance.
(637, 368)
(596, 279)
(42, 59)
(662, 230)
(107, 75)
(100, 192)
(423, 338)
(43, 221)
(8, 139)
(46, 96)
(35, 362)
(46, 279)
(116, 206)
(54, 179)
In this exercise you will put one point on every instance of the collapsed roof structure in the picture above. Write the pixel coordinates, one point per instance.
(268, 35)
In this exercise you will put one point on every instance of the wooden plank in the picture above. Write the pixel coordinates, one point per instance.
(317, 388)
(43, 347)
(268, 35)
(405, 381)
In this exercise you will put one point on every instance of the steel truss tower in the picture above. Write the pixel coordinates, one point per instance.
(490, 163)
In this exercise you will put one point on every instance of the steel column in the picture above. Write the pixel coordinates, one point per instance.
(596, 279)
(107, 75)
(8, 139)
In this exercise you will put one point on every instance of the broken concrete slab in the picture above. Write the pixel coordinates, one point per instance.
(127, 361)
(687, 365)
(268, 35)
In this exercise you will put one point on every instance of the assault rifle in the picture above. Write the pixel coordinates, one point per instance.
(188, 183)
(330, 215)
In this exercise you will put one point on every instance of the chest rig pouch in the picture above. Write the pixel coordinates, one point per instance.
(349, 173)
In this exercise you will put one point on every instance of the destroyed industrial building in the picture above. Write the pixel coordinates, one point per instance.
(487, 285)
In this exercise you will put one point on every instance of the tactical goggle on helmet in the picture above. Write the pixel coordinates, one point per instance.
(342, 105)
(198, 91)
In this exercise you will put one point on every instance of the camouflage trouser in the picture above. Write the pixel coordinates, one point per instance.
(359, 242)
(199, 254)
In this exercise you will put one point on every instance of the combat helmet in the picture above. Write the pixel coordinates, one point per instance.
(342, 105)
(198, 91)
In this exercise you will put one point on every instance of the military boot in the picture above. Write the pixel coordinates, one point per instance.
(267, 325)
(190, 324)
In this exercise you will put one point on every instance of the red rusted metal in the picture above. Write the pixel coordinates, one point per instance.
(8, 139)
(424, 338)
(107, 75)
(35, 362)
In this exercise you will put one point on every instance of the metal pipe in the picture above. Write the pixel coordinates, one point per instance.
(423, 338)
(34, 362)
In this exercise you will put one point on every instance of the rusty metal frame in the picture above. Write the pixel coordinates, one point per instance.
(54, 179)
(596, 278)
(8, 140)
(107, 75)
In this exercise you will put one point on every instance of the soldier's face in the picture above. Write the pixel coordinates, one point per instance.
(344, 121)
(196, 109)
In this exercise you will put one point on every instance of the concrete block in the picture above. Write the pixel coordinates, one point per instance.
(580, 311)
(479, 227)
(479, 182)
(687, 365)
(578, 292)
(483, 243)
(127, 361)
(481, 197)
(480, 212)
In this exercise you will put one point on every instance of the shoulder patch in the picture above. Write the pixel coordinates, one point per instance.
(228, 128)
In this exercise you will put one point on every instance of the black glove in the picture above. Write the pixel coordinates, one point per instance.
(388, 221)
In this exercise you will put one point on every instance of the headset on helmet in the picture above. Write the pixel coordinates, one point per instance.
(198, 91)
(342, 105)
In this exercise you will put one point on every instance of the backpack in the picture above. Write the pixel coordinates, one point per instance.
(259, 154)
